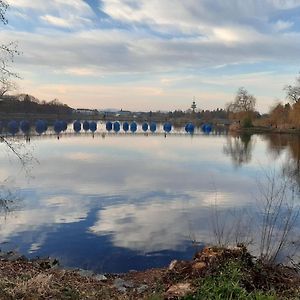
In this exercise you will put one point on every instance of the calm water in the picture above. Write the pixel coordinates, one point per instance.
(119, 203)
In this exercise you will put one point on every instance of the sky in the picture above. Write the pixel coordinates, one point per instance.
(155, 54)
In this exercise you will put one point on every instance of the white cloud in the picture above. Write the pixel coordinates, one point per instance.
(60, 22)
(65, 14)
(157, 38)
(194, 16)
(156, 225)
(61, 6)
(58, 210)
(284, 4)
(283, 25)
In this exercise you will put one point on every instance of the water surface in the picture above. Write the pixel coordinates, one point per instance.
(126, 202)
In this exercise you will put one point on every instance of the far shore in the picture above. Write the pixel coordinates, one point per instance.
(176, 122)
(266, 130)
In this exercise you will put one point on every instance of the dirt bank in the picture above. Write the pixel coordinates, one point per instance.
(214, 273)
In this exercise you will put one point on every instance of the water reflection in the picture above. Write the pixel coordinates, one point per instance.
(9, 200)
(290, 146)
(239, 148)
(128, 202)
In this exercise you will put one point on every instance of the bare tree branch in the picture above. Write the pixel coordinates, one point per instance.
(3, 8)
(293, 91)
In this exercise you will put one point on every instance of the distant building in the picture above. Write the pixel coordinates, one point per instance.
(123, 113)
(193, 106)
(85, 111)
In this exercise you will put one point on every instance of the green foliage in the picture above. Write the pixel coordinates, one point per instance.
(247, 123)
(69, 293)
(227, 285)
(156, 297)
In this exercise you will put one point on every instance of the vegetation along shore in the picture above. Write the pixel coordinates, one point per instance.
(213, 273)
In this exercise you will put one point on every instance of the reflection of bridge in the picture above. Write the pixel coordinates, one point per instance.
(104, 134)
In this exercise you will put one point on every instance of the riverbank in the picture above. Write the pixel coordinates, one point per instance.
(214, 273)
(263, 130)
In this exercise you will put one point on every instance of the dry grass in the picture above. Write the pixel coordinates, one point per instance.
(29, 280)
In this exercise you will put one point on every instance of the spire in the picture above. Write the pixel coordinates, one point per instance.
(193, 106)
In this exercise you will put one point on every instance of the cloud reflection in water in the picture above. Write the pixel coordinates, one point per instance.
(91, 197)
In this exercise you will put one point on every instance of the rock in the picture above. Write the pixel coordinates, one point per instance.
(14, 256)
(121, 284)
(132, 271)
(142, 288)
(48, 263)
(179, 290)
(128, 284)
(199, 266)
(172, 265)
(85, 273)
(100, 277)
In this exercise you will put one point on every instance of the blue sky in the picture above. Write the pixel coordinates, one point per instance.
(155, 54)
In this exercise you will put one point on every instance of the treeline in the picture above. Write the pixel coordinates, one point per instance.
(241, 111)
(285, 116)
(180, 116)
(205, 115)
(31, 105)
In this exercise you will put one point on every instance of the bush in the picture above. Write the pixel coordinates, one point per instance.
(247, 123)
(227, 284)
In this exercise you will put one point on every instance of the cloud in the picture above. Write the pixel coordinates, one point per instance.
(284, 4)
(69, 14)
(55, 211)
(147, 40)
(71, 22)
(193, 15)
(283, 25)
(130, 228)
(114, 51)
(58, 6)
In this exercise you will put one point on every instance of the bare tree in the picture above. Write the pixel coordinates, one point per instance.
(279, 215)
(7, 55)
(243, 102)
(293, 91)
(7, 86)
(3, 8)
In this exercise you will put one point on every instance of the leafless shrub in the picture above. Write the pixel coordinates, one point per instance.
(275, 218)
(279, 213)
(230, 226)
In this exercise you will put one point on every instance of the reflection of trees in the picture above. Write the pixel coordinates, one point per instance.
(8, 197)
(8, 201)
(277, 144)
(239, 148)
(18, 148)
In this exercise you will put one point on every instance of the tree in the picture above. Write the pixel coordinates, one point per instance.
(280, 114)
(7, 54)
(3, 9)
(242, 108)
(294, 115)
(293, 91)
(243, 102)
(7, 86)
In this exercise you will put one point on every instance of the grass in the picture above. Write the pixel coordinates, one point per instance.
(229, 274)
(227, 284)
